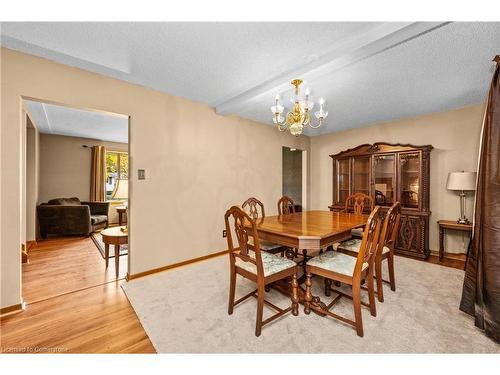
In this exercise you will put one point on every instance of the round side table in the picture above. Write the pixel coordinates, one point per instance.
(114, 236)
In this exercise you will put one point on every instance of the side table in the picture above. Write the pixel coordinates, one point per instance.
(114, 236)
(445, 225)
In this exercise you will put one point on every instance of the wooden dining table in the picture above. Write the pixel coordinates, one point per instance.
(308, 232)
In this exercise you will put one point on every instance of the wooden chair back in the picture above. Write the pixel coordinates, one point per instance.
(357, 203)
(369, 243)
(254, 208)
(285, 206)
(239, 219)
(390, 228)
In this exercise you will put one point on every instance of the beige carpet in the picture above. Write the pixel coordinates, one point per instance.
(185, 311)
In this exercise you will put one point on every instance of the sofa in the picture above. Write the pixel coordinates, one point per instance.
(69, 216)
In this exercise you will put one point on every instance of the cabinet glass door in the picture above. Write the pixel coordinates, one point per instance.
(343, 170)
(361, 175)
(384, 179)
(410, 179)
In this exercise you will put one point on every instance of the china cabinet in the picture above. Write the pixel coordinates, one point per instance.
(389, 173)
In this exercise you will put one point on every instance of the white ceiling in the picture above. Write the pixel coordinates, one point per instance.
(367, 72)
(55, 119)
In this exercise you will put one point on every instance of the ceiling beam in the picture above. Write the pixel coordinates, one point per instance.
(353, 50)
(47, 118)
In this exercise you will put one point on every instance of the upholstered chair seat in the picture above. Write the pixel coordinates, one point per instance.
(336, 262)
(357, 232)
(271, 263)
(353, 246)
(266, 246)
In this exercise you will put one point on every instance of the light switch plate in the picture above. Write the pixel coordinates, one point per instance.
(141, 174)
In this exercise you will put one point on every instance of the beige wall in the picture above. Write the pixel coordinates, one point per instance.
(65, 167)
(197, 163)
(455, 137)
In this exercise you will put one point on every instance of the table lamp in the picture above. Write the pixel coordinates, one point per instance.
(121, 192)
(462, 182)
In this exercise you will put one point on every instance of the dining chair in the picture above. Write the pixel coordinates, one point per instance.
(256, 265)
(255, 209)
(357, 203)
(385, 248)
(285, 206)
(337, 266)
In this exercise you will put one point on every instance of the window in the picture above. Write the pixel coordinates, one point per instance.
(116, 175)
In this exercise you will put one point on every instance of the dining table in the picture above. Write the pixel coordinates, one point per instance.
(308, 232)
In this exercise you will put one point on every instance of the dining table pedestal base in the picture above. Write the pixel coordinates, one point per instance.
(285, 287)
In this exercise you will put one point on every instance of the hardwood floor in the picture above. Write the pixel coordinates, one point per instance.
(61, 265)
(453, 261)
(73, 304)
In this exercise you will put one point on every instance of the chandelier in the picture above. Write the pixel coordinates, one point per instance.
(299, 116)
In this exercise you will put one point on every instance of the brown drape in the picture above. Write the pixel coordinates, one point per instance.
(481, 291)
(98, 174)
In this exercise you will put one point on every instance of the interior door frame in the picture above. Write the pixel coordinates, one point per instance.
(24, 162)
(304, 178)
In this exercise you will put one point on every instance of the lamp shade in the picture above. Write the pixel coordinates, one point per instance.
(121, 190)
(461, 181)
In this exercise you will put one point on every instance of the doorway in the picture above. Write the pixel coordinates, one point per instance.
(61, 144)
(294, 176)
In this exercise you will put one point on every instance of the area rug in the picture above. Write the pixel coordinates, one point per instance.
(97, 238)
(184, 310)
